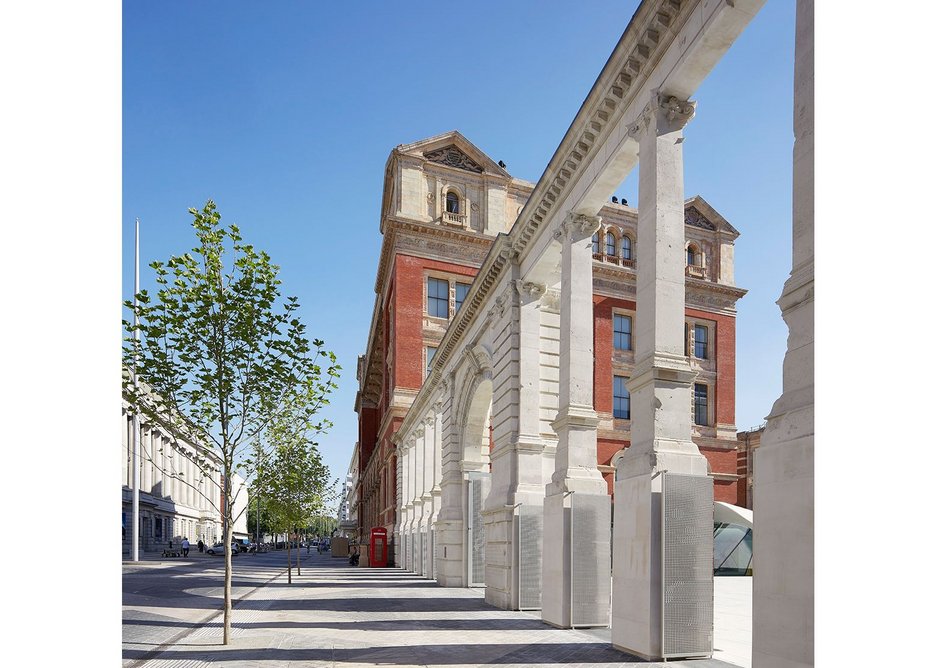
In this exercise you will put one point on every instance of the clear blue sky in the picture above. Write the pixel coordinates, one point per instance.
(285, 114)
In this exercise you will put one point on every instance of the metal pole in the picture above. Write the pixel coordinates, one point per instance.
(135, 513)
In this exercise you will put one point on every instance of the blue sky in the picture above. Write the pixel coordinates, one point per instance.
(285, 116)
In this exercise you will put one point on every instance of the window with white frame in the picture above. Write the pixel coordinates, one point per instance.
(437, 297)
(621, 406)
(621, 331)
(610, 244)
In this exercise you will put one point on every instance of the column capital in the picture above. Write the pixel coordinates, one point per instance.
(578, 226)
(664, 113)
(429, 420)
(529, 291)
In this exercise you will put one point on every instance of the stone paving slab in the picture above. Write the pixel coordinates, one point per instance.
(335, 615)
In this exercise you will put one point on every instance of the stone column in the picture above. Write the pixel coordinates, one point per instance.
(398, 507)
(450, 525)
(782, 596)
(408, 526)
(435, 489)
(416, 563)
(662, 385)
(426, 495)
(404, 501)
(516, 468)
(576, 472)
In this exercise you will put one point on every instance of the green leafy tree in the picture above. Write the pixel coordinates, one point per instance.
(295, 479)
(221, 353)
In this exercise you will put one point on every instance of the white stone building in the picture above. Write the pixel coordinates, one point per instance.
(177, 500)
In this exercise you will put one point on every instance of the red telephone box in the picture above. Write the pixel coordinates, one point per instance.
(377, 550)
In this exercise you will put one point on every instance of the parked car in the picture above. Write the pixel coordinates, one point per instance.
(219, 548)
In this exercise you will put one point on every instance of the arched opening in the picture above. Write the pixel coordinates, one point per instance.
(452, 202)
(476, 440)
(694, 258)
(627, 248)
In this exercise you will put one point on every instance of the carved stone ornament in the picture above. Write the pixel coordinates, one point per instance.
(551, 301)
(430, 197)
(677, 112)
(530, 290)
(578, 226)
(474, 207)
(696, 219)
(671, 113)
(453, 157)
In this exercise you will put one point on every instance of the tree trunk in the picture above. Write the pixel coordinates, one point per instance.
(289, 562)
(227, 583)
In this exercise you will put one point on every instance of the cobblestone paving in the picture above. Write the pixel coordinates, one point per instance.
(334, 615)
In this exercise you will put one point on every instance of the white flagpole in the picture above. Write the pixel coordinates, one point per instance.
(135, 515)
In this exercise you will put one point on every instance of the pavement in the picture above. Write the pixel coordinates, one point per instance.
(337, 615)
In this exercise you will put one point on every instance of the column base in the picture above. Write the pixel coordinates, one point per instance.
(576, 560)
(450, 564)
(637, 612)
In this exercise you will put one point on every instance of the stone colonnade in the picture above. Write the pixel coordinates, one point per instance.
(498, 453)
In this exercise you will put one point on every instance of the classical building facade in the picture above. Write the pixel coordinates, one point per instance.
(487, 438)
(176, 499)
(444, 203)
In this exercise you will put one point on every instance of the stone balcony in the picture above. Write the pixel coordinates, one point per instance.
(696, 271)
(453, 218)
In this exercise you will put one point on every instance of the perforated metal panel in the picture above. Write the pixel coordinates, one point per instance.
(529, 557)
(477, 491)
(687, 570)
(591, 586)
(424, 552)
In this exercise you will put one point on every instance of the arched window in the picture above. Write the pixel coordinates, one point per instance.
(610, 244)
(595, 244)
(693, 257)
(626, 248)
(452, 202)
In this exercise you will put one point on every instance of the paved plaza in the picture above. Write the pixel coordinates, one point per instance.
(336, 615)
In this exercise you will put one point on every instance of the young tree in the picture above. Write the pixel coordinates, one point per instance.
(220, 354)
(295, 480)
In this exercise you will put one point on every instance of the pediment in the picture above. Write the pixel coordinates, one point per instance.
(453, 157)
(694, 218)
(453, 150)
(699, 213)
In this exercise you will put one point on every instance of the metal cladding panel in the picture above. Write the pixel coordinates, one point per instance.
(424, 553)
(529, 557)
(477, 491)
(687, 569)
(591, 587)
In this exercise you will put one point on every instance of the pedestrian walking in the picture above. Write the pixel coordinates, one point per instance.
(201, 545)
(185, 547)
